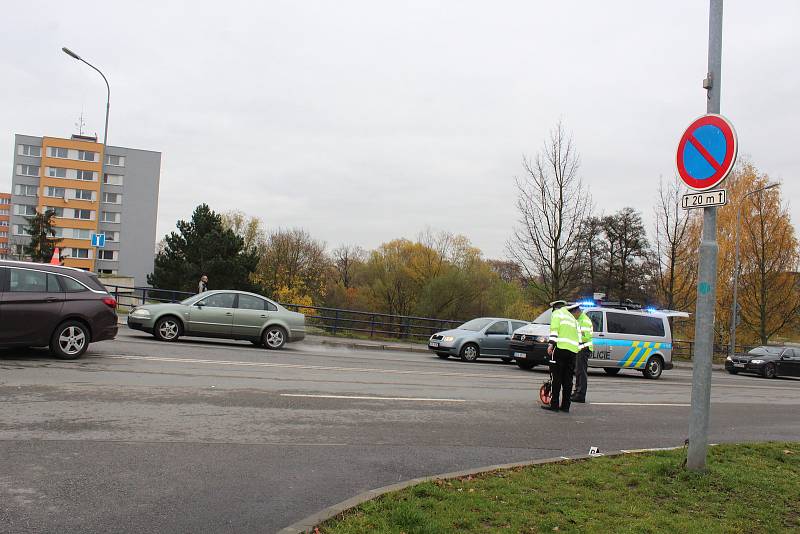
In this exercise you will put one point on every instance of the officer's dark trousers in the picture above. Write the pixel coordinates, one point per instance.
(563, 371)
(581, 375)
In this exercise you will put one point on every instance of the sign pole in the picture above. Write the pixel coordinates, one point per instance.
(707, 274)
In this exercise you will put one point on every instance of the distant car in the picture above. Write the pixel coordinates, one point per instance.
(222, 314)
(485, 337)
(766, 361)
(50, 305)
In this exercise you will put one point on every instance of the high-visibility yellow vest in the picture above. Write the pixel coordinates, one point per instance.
(564, 330)
(585, 328)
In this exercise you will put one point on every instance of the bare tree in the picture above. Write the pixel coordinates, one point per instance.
(628, 247)
(552, 202)
(673, 264)
(345, 259)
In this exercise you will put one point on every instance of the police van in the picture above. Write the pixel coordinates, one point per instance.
(626, 336)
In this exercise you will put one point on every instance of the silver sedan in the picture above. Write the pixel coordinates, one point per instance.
(484, 337)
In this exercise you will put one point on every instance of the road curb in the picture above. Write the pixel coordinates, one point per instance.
(306, 525)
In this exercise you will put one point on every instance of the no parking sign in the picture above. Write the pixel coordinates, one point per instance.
(707, 152)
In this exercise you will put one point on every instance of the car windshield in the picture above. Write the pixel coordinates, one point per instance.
(544, 317)
(766, 351)
(191, 299)
(475, 324)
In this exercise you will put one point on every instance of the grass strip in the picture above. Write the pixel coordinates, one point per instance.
(747, 488)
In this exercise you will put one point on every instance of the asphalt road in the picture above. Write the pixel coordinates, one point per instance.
(210, 436)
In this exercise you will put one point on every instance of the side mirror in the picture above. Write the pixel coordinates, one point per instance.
(199, 305)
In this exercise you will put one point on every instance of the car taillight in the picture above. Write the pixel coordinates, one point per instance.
(110, 302)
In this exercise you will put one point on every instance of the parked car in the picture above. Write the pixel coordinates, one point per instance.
(625, 337)
(766, 361)
(222, 314)
(484, 337)
(50, 305)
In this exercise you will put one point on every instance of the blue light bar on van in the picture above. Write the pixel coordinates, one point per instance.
(650, 310)
(587, 303)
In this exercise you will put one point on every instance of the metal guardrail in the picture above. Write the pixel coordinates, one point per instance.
(332, 320)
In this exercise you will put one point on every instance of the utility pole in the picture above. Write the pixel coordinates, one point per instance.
(707, 274)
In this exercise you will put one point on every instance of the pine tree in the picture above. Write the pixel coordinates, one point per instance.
(43, 236)
(203, 246)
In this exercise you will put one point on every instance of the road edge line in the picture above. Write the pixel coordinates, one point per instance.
(307, 524)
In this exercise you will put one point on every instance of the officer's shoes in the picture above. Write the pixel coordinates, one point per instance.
(576, 399)
(548, 408)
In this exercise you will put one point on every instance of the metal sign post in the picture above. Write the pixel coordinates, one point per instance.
(707, 275)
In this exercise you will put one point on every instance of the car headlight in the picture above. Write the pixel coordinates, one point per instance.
(448, 338)
(729, 359)
(541, 339)
(756, 361)
(141, 314)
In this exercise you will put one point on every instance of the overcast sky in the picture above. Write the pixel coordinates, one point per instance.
(362, 121)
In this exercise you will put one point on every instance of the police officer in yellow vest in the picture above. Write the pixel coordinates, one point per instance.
(585, 329)
(563, 346)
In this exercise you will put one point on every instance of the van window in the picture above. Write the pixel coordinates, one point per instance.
(597, 320)
(70, 285)
(24, 281)
(637, 325)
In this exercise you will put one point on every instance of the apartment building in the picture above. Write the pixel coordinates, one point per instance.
(117, 197)
(5, 218)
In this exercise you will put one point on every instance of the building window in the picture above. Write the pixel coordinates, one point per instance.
(58, 212)
(30, 150)
(25, 210)
(27, 190)
(112, 179)
(20, 230)
(80, 253)
(5, 200)
(3, 212)
(111, 236)
(108, 255)
(28, 170)
(86, 215)
(56, 172)
(86, 176)
(112, 198)
(107, 271)
(4, 223)
(58, 152)
(83, 194)
(54, 192)
(4, 234)
(110, 217)
(86, 155)
(115, 161)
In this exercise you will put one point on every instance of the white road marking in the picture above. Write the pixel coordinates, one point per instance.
(317, 367)
(638, 404)
(421, 399)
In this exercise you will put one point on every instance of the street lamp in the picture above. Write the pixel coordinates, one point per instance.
(737, 267)
(73, 55)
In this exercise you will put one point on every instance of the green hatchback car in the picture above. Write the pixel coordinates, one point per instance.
(222, 314)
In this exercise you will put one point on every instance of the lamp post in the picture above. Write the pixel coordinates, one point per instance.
(734, 311)
(73, 55)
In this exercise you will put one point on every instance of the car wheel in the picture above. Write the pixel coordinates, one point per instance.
(769, 371)
(167, 329)
(70, 340)
(443, 355)
(274, 337)
(611, 370)
(470, 352)
(507, 360)
(653, 368)
(525, 365)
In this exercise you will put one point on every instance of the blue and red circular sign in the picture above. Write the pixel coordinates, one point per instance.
(707, 152)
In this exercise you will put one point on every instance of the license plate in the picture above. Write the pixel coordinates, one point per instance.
(433, 344)
(520, 355)
(741, 365)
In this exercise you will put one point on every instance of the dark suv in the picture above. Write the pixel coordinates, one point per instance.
(49, 305)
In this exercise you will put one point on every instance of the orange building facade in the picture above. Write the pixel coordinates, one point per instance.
(5, 217)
